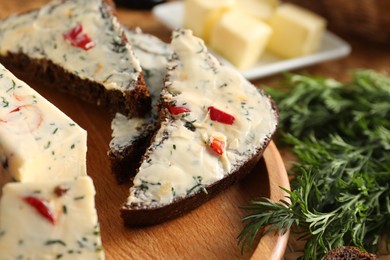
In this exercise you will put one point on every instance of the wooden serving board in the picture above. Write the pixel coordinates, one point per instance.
(208, 232)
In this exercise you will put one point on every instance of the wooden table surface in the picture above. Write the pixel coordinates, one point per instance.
(364, 55)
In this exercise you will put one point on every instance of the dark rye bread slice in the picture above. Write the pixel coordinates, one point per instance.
(80, 48)
(213, 128)
(131, 136)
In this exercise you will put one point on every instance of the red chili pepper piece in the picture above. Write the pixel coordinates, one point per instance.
(220, 116)
(40, 206)
(35, 117)
(217, 146)
(77, 38)
(174, 110)
(15, 110)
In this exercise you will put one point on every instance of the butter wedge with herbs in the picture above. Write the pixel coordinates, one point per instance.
(202, 15)
(49, 220)
(240, 38)
(296, 31)
(38, 142)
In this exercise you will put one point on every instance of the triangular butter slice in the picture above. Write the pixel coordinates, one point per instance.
(214, 126)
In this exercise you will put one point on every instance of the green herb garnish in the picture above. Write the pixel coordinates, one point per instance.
(79, 198)
(340, 134)
(4, 102)
(190, 126)
(55, 241)
(198, 186)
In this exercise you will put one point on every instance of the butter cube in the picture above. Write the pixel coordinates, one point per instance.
(261, 9)
(202, 15)
(240, 38)
(50, 220)
(296, 31)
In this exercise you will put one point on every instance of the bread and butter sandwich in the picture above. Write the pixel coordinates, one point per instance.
(213, 127)
(79, 47)
(131, 136)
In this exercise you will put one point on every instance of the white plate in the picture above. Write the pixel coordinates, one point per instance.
(332, 47)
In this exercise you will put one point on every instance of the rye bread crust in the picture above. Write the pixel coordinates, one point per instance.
(136, 102)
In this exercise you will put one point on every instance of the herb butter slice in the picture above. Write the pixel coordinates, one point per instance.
(38, 142)
(214, 126)
(50, 220)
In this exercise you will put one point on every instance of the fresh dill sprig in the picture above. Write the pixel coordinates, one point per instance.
(340, 134)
